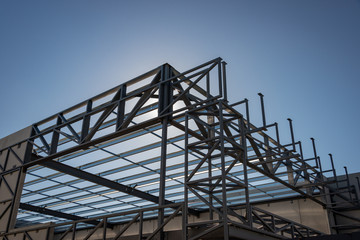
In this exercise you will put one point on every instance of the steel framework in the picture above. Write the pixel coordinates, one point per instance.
(165, 146)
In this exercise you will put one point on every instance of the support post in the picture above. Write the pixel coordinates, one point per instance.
(224, 80)
(211, 135)
(262, 108)
(223, 173)
(186, 174)
(317, 159)
(165, 99)
(292, 134)
(246, 181)
(162, 174)
(121, 107)
(334, 171)
(86, 121)
(348, 183)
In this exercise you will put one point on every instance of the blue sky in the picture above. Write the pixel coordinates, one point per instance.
(304, 56)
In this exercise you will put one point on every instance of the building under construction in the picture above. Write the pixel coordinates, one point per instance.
(167, 156)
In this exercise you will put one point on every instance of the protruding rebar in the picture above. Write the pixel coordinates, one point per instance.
(292, 134)
(262, 108)
(348, 183)
(317, 158)
(220, 78)
(224, 79)
(333, 170)
(247, 113)
(301, 151)
(277, 136)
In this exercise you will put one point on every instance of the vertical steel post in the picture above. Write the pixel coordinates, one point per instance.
(186, 174)
(247, 113)
(266, 138)
(55, 137)
(334, 171)
(223, 173)
(262, 108)
(208, 93)
(348, 183)
(211, 135)
(292, 231)
(141, 225)
(301, 151)
(292, 134)
(277, 136)
(224, 80)
(290, 171)
(73, 235)
(183, 218)
(86, 121)
(246, 181)
(162, 172)
(164, 101)
(317, 158)
(104, 228)
(306, 174)
(121, 107)
(220, 78)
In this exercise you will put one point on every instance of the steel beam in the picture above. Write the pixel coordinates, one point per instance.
(58, 166)
(165, 99)
(58, 214)
(162, 83)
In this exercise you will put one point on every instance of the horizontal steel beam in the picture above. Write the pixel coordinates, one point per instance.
(58, 214)
(58, 166)
(140, 126)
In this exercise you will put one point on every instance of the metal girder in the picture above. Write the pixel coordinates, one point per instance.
(58, 166)
(265, 171)
(50, 212)
(85, 145)
(226, 139)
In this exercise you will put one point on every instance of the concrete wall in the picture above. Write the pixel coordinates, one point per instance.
(303, 211)
(12, 176)
(16, 137)
(40, 234)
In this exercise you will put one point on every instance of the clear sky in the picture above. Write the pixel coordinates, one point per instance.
(304, 56)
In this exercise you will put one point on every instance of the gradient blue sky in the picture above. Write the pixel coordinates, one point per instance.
(304, 56)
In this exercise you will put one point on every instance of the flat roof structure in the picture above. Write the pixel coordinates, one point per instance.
(168, 153)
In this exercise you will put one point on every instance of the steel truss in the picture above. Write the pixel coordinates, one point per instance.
(204, 156)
